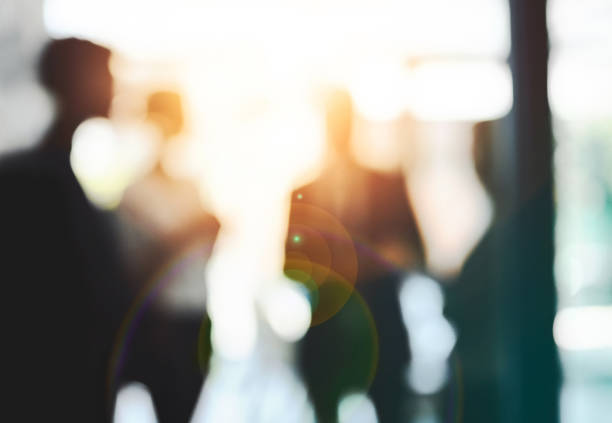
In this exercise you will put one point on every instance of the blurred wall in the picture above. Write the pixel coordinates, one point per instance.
(25, 109)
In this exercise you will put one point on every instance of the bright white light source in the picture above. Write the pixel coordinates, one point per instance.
(232, 311)
(578, 266)
(134, 405)
(260, 390)
(287, 310)
(420, 297)
(234, 331)
(583, 328)
(468, 27)
(427, 377)
(94, 148)
(356, 408)
(581, 25)
(401, 27)
(106, 161)
(94, 159)
(380, 91)
(431, 336)
(454, 90)
(230, 299)
(580, 89)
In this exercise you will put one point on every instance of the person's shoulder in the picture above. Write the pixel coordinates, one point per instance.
(35, 175)
(34, 162)
(17, 161)
(21, 171)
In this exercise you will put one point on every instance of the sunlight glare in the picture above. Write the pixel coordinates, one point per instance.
(584, 328)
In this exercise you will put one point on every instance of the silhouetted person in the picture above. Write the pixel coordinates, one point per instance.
(60, 277)
(485, 307)
(171, 238)
(337, 353)
(167, 209)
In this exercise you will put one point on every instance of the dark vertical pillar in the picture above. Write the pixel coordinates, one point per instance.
(530, 303)
(529, 59)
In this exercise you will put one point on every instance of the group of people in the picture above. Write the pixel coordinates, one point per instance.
(74, 274)
(71, 279)
(74, 278)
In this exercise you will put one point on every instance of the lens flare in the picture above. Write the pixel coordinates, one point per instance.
(342, 353)
(141, 304)
(287, 309)
(321, 256)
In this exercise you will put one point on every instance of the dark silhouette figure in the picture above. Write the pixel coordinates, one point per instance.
(487, 308)
(350, 211)
(60, 275)
(171, 237)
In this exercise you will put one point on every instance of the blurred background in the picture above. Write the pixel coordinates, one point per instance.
(497, 117)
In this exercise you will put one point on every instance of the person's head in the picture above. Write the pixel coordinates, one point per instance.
(339, 121)
(77, 74)
(165, 110)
